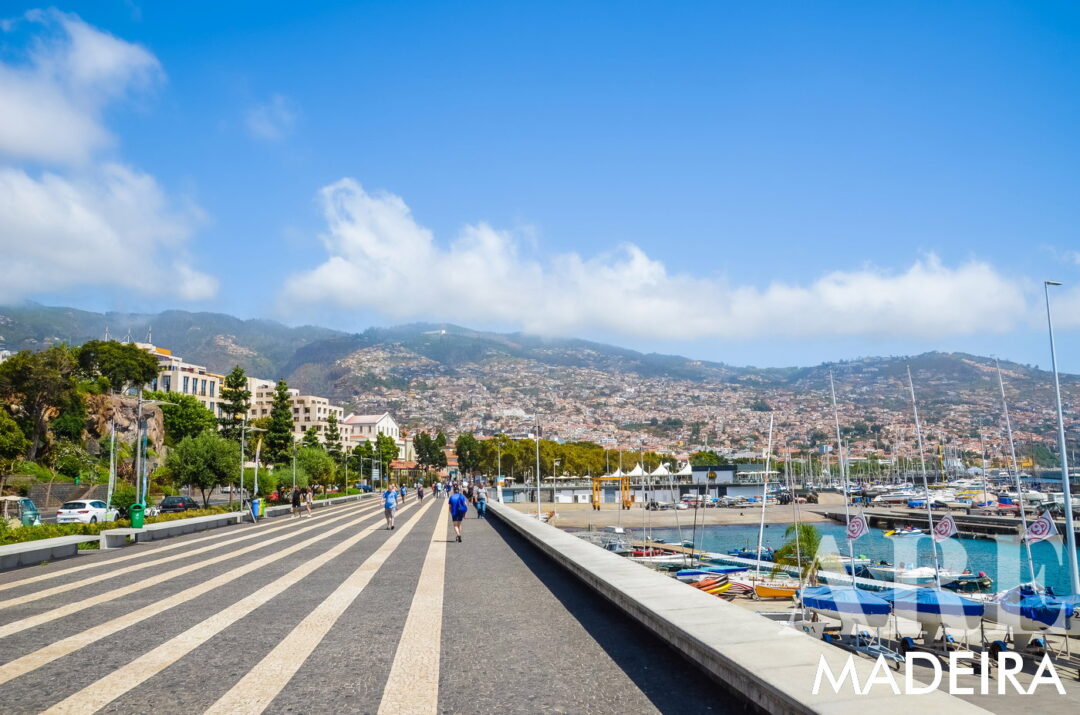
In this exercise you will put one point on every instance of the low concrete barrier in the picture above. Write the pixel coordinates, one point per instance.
(115, 538)
(286, 509)
(178, 527)
(772, 666)
(34, 552)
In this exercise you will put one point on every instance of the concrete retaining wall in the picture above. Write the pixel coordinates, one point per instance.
(772, 666)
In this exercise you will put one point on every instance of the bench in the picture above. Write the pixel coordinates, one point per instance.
(115, 538)
(34, 552)
(178, 527)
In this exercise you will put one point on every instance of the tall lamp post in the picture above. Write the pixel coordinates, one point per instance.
(1066, 488)
(538, 466)
(244, 429)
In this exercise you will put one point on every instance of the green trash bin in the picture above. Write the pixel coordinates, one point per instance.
(137, 516)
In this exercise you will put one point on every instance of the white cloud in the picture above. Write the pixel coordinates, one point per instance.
(52, 102)
(272, 120)
(86, 222)
(380, 257)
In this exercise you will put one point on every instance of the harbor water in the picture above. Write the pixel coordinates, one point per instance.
(1003, 559)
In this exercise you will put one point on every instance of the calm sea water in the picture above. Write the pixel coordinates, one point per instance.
(1000, 558)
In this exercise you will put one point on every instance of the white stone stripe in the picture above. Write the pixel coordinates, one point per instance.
(68, 609)
(413, 684)
(102, 692)
(66, 646)
(257, 689)
(64, 588)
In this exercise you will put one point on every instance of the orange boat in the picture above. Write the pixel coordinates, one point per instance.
(766, 590)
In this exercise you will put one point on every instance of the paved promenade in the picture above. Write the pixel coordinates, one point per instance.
(330, 614)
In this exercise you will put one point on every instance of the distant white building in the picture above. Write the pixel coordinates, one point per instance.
(176, 375)
(364, 428)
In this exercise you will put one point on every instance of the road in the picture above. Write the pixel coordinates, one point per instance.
(332, 613)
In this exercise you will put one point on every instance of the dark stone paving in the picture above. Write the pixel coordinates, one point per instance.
(519, 633)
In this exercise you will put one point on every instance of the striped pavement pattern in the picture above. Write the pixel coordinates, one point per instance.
(333, 613)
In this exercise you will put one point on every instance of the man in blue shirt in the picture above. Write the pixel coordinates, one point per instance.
(390, 505)
(458, 507)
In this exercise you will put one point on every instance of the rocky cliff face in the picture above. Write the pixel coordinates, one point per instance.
(101, 410)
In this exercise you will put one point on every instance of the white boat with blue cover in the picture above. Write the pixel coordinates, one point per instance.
(849, 605)
(934, 608)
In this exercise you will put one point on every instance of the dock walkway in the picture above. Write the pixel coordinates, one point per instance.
(332, 614)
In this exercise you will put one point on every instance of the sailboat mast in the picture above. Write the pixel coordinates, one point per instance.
(843, 474)
(795, 514)
(1016, 471)
(764, 493)
(926, 485)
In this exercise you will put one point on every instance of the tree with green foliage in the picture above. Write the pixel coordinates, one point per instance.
(311, 438)
(203, 461)
(706, 459)
(70, 423)
(803, 540)
(183, 415)
(316, 464)
(278, 440)
(13, 444)
(424, 446)
(124, 365)
(332, 437)
(40, 384)
(360, 458)
(467, 449)
(386, 451)
(234, 403)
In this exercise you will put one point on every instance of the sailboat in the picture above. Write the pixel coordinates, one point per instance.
(758, 585)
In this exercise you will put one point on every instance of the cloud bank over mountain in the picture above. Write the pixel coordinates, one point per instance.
(379, 256)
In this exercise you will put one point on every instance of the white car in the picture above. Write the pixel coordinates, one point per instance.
(88, 511)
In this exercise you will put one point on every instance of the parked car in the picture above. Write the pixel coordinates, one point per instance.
(19, 511)
(171, 505)
(85, 511)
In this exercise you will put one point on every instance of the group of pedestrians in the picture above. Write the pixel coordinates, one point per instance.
(302, 497)
(460, 495)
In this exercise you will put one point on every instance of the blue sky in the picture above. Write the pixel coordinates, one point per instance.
(769, 185)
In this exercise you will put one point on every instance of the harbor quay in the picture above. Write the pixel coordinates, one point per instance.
(337, 613)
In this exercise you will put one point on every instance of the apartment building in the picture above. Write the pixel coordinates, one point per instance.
(176, 375)
(307, 410)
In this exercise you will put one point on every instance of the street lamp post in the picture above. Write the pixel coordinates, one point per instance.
(244, 429)
(537, 466)
(1066, 488)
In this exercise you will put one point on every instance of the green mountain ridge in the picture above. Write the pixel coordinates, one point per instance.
(342, 365)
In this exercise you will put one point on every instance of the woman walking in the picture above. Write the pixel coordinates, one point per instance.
(309, 500)
(481, 501)
(390, 497)
(296, 502)
(458, 508)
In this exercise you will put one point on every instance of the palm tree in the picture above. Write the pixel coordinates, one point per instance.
(802, 540)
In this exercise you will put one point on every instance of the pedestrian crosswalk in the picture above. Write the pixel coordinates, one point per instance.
(330, 614)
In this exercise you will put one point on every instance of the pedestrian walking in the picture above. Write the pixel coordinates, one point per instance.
(390, 497)
(309, 500)
(458, 508)
(420, 494)
(295, 502)
(481, 502)
(404, 491)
